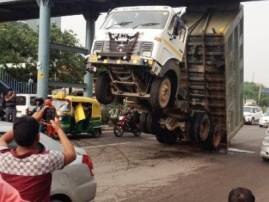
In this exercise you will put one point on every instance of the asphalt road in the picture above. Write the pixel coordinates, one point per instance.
(140, 169)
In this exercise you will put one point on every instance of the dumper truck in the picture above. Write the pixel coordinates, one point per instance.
(182, 68)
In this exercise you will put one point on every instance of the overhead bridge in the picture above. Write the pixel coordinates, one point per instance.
(28, 9)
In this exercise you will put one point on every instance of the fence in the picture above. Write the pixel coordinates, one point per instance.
(7, 81)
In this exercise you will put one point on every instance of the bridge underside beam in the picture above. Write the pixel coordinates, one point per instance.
(11, 10)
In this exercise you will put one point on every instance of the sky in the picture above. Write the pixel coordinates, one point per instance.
(256, 39)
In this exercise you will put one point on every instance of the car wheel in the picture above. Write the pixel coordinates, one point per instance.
(161, 93)
(252, 121)
(265, 159)
(103, 89)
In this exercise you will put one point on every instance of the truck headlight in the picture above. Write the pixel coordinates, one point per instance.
(146, 49)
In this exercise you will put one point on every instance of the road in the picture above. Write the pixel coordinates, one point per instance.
(140, 169)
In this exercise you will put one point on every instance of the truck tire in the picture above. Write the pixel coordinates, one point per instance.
(214, 141)
(142, 122)
(201, 127)
(161, 93)
(103, 89)
(166, 137)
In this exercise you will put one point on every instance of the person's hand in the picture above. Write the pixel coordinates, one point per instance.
(56, 124)
(39, 114)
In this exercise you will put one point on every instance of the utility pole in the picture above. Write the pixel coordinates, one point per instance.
(90, 18)
(43, 48)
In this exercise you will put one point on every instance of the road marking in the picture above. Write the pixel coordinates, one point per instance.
(241, 151)
(107, 145)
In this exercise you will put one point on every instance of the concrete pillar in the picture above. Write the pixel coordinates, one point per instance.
(90, 31)
(43, 48)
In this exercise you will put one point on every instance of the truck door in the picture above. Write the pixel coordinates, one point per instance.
(177, 32)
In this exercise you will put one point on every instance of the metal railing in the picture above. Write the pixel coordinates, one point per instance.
(20, 87)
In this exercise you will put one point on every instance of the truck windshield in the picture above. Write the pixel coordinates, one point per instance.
(136, 20)
(248, 109)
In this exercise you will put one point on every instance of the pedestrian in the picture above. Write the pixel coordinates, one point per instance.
(10, 104)
(9, 193)
(2, 106)
(241, 195)
(29, 166)
(39, 103)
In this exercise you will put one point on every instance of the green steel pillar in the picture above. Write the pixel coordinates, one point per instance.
(90, 31)
(43, 48)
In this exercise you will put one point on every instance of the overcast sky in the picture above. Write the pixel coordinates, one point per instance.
(256, 39)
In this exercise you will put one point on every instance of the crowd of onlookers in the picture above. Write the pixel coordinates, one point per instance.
(26, 170)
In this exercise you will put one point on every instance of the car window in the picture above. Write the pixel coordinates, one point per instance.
(20, 100)
(32, 100)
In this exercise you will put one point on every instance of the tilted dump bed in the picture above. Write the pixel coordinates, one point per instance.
(213, 68)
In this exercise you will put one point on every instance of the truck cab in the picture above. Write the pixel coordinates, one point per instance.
(136, 54)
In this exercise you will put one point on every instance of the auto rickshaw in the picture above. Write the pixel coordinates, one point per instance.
(78, 115)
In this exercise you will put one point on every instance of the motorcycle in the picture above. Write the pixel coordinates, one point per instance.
(125, 124)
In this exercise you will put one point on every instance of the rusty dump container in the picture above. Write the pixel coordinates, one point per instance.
(214, 62)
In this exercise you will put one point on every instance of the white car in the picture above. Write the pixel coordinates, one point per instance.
(25, 103)
(252, 114)
(264, 121)
(265, 146)
(76, 181)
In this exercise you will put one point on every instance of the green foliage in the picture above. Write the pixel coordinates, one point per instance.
(18, 43)
(251, 91)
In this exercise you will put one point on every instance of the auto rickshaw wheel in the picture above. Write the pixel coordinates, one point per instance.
(97, 132)
(103, 89)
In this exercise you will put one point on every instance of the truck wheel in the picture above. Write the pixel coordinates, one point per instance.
(142, 122)
(201, 127)
(214, 140)
(166, 137)
(161, 93)
(103, 89)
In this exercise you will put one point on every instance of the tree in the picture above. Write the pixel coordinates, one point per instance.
(18, 43)
(251, 91)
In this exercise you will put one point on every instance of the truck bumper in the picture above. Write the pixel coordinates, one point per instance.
(99, 60)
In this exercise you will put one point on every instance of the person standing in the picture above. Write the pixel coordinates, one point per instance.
(9, 193)
(10, 104)
(29, 166)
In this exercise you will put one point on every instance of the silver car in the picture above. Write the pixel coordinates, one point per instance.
(265, 146)
(76, 181)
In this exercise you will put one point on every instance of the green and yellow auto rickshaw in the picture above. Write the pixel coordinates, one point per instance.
(78, 115)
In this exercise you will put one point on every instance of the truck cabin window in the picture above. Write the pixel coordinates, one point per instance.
(136, 20)
(177, 28)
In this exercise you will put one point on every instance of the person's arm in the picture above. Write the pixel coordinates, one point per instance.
(6, 138)
(69, 150)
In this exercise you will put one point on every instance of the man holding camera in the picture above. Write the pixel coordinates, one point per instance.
(29, 166)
